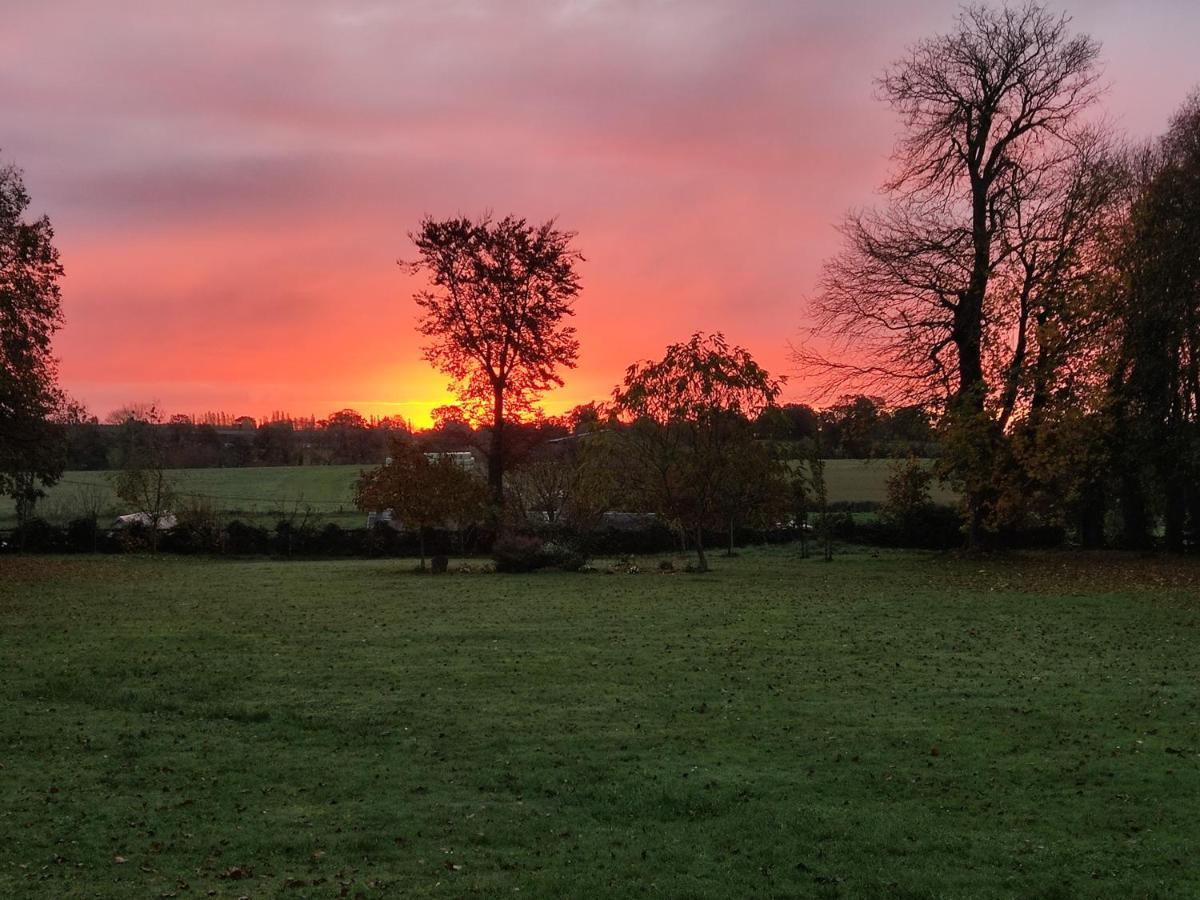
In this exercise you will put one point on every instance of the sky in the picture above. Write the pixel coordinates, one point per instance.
(232, 183)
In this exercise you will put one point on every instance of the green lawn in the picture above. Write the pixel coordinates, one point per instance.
(898, 725)
(264, 494)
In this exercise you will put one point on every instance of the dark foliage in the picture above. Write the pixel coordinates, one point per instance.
(519, 553)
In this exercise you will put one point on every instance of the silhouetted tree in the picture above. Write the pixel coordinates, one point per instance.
(754, 491)
(142, 481)
(1156, 382)
(988, 203)
(499, 295)
(274, 443)
(689, 419)
(32, 444)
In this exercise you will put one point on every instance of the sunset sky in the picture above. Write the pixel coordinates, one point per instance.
(232, 182)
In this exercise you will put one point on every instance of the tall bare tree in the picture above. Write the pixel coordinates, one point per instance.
(937, 294)
(496, 309)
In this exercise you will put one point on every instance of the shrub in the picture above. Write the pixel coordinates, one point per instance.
(83, 536)
(333, 540)
(439, 564)
(39, 536)
(246, 540)
(571, 560)
(189, 538)
(135, 538)
(518, 553)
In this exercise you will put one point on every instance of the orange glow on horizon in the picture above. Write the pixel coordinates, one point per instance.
(230, 191)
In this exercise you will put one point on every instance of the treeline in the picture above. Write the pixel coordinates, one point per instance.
(856, 427)
(344, 437)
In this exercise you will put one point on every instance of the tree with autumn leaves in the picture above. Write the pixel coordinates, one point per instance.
(423, 491)
(686, 450)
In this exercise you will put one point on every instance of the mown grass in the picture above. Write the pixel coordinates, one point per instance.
(883, 726)
(263, 494)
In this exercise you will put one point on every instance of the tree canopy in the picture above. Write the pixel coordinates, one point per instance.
(31, 446)
(422, 490)
(958, 292)
(496, 309)
(688, 418)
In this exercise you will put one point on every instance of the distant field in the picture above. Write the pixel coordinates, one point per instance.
(250, 493)
(263, 494)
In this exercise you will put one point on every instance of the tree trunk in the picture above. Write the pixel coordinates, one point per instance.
(731, 553)
(701, 559)
(496, 456)
(1174, 515)
(1135, 531)
(1091, 516)
(975, 535)
(968, 342)
(421, 544)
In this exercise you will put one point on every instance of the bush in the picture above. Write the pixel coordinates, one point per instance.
(188, 538)
(568, 559)
(439, 564)
(135, 538)
(39, 536)
(198, 529)
(83, 536)
(333, 540)
(519, 553)
(933, 527)
(246, 540)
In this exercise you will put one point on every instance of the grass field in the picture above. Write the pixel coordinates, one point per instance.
(882, 726)
(262, 494)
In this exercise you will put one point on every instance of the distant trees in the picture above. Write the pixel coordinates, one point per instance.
(962, 291)
(688, 423)
(348, 437)
(275, 444)
(495, 311)
(854, 426)
(423, 493)
(755, 489)
(31, 440)
(143, 481)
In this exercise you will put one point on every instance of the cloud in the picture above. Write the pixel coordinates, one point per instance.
(243, 175)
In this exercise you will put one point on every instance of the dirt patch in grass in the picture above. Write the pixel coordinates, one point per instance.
(33, 570)
(1075, 574)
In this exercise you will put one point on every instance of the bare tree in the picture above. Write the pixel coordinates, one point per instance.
(543, 485)
(935, 295)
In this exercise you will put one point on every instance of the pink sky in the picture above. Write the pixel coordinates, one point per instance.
(231, 182)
